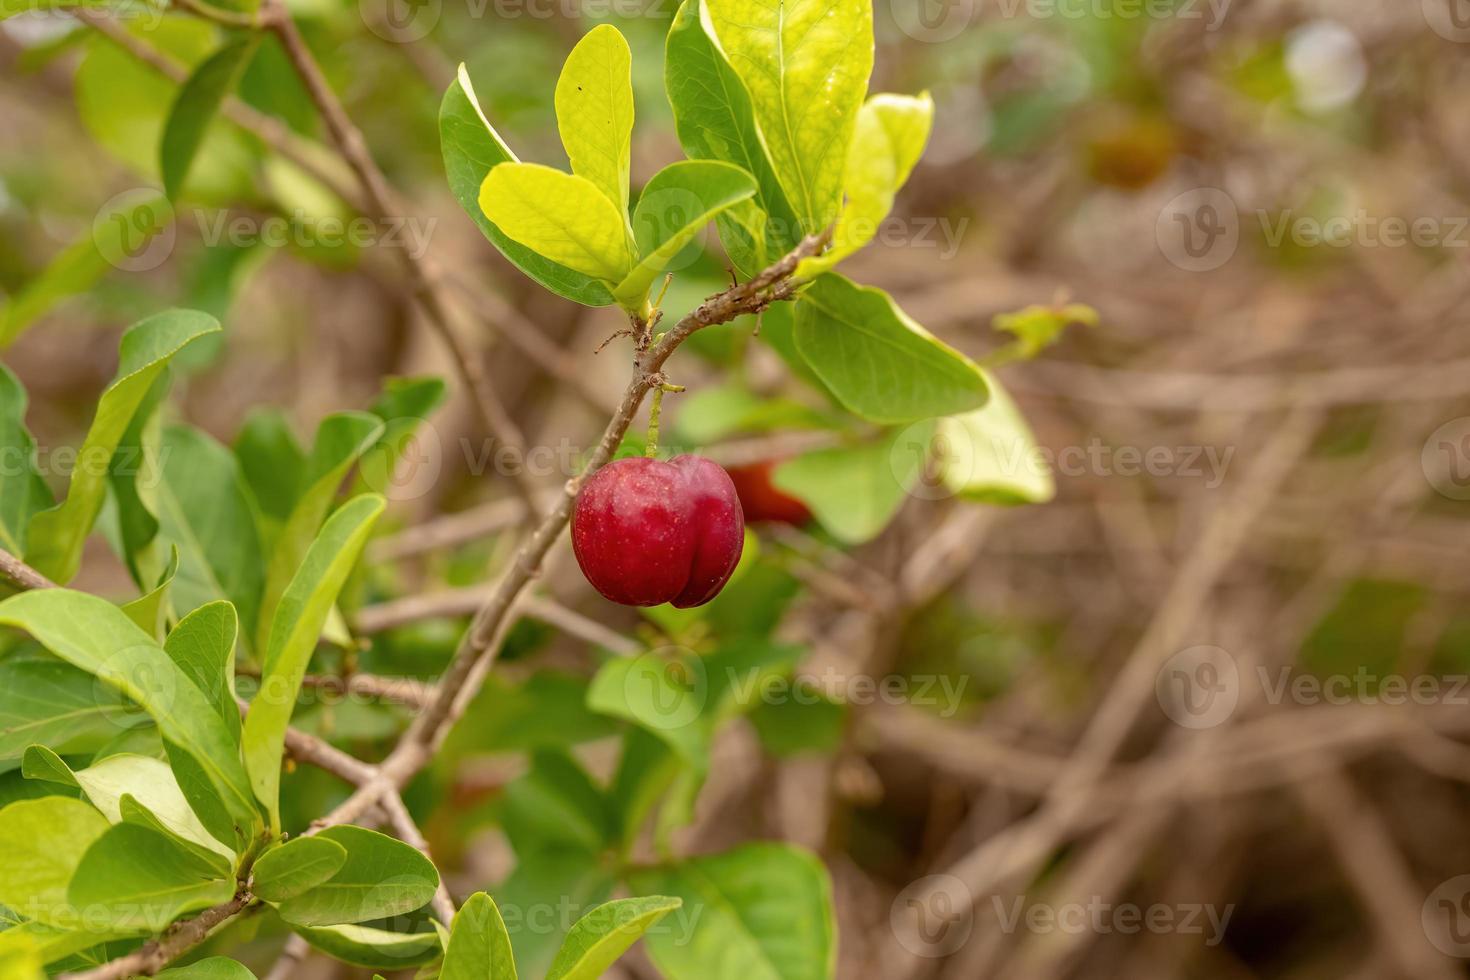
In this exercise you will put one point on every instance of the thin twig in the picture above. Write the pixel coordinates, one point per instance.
(463, 602)
(461, 681)
(180, 938)
(383, 202)
(17, 573)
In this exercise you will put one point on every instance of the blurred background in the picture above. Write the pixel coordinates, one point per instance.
(1203, 715)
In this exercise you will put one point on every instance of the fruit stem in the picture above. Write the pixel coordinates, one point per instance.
(654, 410)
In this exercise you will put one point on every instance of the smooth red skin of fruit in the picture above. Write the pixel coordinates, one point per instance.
(647, 532)
(760, 498)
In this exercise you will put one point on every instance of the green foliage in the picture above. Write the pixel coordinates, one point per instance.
(96, 636)
(381, 877)
(479, 946)
(594, 112)
(55, 537)
(854, 491)
(767, 913)
(136, 879)
(297, 866)
(198, 100)
(295, 628)
(604, 934)
(876, 361)
(41, 843)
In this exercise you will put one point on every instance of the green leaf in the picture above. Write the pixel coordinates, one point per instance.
(96, 636)
(56, 535)
(297, 866)
(202, 645)
(805, 65)
(404, 406)
(577, 879)
(556, 804)
(767, 916)
(137, 879)
(341, 439)
(562, 217)
(204, 512)
(56, 704)
(887, 143)
(381, 877)
(210, 968)
(22, 960)
(376, 949)
(196, 105)
(121, 231)
(22, 491)
(675, 205)
(272, 462)
(41, 843)
(876, 361)
(133, 476)
(663, 692)
(294, 631)
(854, 491)
(131, 811)
(990, 455)
(793, 727)
(479, 947)
(605, 933)
(594, 111)
(150, 611)
(715, 121)
(39, 762)
(471, 148)
(152, 785)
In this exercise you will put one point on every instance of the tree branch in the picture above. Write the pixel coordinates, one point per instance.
(18, 574)
(181, 937)
(476, 652)
(383, 202)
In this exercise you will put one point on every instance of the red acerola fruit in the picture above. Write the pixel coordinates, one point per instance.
(647, 532)
(760, 498)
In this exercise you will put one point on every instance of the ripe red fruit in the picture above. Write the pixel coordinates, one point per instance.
(760, 498)
(647, 532)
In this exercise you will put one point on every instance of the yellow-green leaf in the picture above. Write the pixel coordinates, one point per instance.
(679, 201)
(889, 138)
(991, 456)
(594, 111)
(805, 64)
(559, 216)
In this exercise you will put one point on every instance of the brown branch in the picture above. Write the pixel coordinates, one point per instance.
(383, 202)
(463, 602)
(304, 153)
(403, 825)
(180, 938)
(476, 652)
(18, 574)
